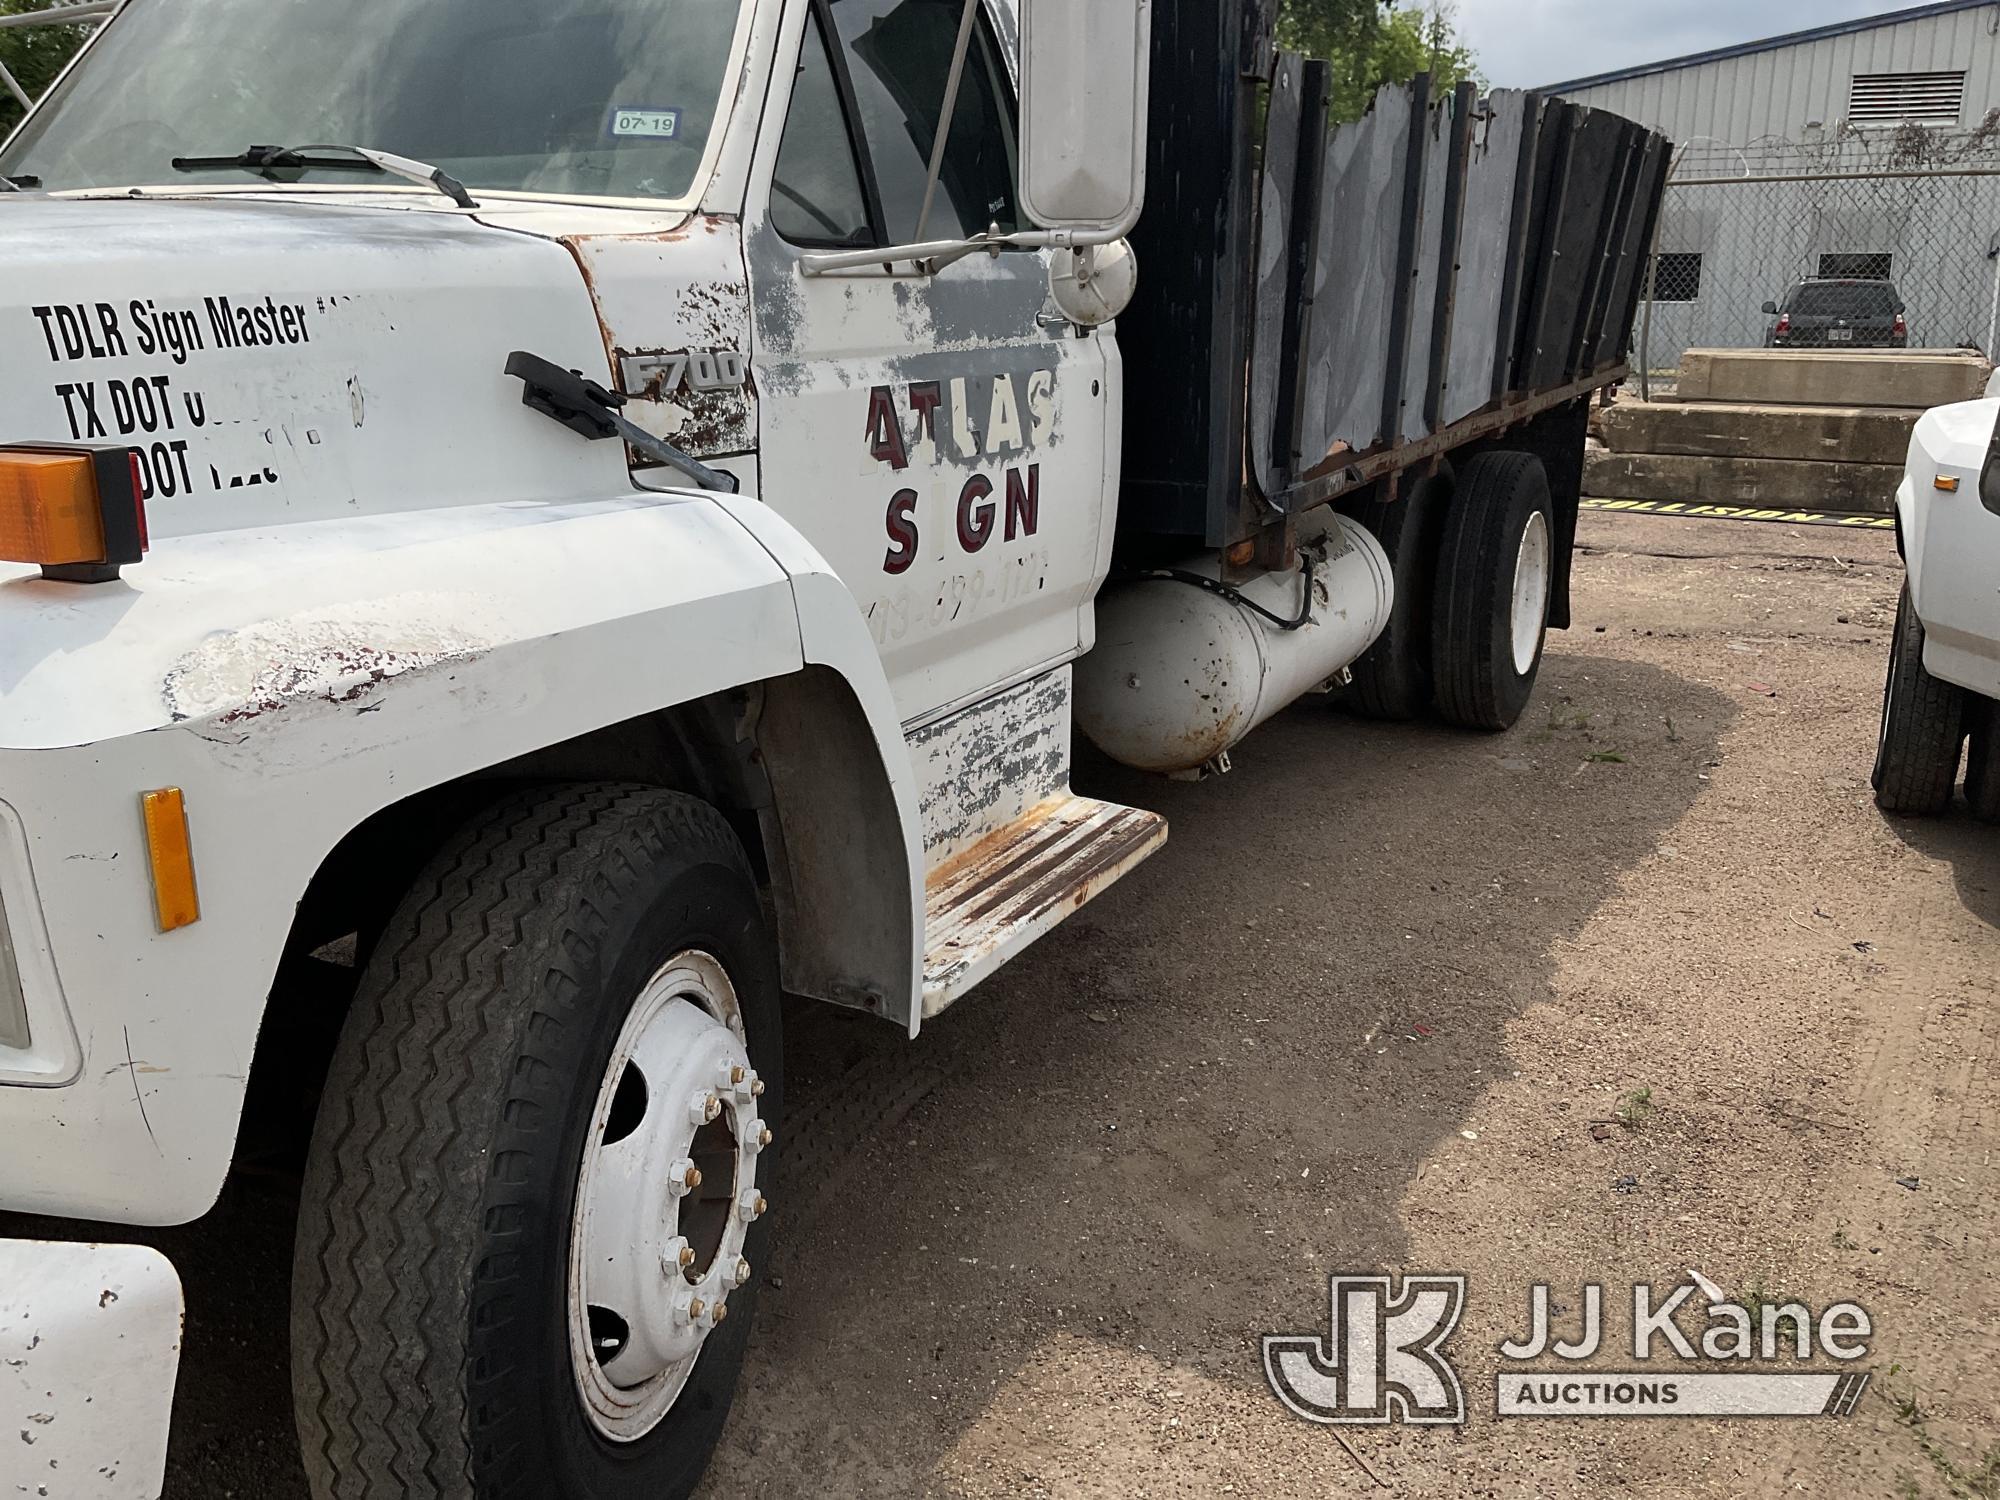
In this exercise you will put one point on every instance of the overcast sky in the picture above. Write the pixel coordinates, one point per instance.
(1522, 43)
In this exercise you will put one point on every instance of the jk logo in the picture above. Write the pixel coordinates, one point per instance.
(1384, 1362)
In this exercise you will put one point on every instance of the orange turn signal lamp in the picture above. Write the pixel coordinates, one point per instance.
(1946, 482)
(77, 510)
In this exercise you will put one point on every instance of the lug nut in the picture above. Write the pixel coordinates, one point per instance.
(756, 1088)
(721, 1312)
(683, 1177)
(764, 1136)
(737, 1075)
(696, 1308)
(751, 1206)
(686, 1257)
(742, 1273)
(704, 1109)
(675, 1257)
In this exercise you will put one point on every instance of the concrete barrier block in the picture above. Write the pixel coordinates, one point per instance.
(1708, 429)
(1778, 484)
(1917, 378)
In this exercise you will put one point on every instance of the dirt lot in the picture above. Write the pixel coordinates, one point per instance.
(1363, 1015)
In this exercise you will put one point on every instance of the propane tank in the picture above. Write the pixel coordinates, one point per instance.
(1181, 673)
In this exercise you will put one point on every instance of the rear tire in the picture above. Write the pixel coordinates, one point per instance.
(1495, 574)
(478, 1134)
(1923, 727)
(1982, 763)
(1393, 681)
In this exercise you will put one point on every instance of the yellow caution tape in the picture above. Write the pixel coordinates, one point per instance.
(1740, 513)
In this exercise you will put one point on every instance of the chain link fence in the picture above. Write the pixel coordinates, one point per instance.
(1743, 226)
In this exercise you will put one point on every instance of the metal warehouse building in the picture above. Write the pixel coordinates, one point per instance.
(1866, 148)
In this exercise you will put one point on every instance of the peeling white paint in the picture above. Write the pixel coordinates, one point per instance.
(336, 655)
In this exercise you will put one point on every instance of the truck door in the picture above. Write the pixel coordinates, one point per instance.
(945, 444)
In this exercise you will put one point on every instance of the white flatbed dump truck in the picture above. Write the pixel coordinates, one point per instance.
(560, 521)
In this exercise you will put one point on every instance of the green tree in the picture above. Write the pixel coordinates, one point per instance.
(1344, 32)
(1370, 46)
(34, 55)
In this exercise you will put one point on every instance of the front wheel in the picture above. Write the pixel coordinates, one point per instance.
(1923, 727)
(533, 1212)
(1495, 575)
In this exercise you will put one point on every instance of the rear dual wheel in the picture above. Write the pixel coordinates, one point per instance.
(1392, 681)
(1474, 560)
(1495, 578)
(533, 1214)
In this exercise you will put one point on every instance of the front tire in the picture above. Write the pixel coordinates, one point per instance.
(1495, 576)
(1923, 727)
(581, 982)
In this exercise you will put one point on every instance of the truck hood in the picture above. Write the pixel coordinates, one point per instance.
(289, 358)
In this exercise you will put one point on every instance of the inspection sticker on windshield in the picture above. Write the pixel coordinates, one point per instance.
(659, 124)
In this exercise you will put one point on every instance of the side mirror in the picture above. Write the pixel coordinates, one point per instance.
(1085, 70)
(1091, 287)
(1771, 308)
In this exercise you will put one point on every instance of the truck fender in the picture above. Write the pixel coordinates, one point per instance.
(850, 887)
(1946, 440)
(297, 683)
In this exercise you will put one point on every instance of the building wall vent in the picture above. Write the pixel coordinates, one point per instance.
(1899, 98)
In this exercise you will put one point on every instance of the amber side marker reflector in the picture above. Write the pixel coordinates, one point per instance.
(1947, 482)
(76, 510)
(171, 853)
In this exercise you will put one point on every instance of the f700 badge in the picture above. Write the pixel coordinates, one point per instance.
(655, 377)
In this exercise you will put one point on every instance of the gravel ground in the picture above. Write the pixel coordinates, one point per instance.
(1372, 1010)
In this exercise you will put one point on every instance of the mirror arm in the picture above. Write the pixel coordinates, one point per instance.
(943, 138)
(937, 253)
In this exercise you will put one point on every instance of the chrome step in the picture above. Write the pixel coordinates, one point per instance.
(999, 896)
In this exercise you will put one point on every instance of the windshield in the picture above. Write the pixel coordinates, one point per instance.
(1854, 299)
(596, 98)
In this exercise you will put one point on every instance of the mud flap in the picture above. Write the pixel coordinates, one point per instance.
(90, 1342)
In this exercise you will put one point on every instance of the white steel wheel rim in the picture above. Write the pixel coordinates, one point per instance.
(1531, 592)
(653, 1260)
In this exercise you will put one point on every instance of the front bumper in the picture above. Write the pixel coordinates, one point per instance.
(90, 1342)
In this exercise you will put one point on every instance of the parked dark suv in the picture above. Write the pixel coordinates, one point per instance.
(1838, 314)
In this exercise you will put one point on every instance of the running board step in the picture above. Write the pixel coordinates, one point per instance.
(999, 896)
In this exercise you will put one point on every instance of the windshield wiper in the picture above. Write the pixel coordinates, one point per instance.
(18, 184)
(269, 160)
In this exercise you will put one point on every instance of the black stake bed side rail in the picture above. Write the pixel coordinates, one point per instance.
(1332, 309)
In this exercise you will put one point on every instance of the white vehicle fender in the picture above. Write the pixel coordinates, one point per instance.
(1949, 538)
(1950, 441)
(850, 827)
(300, 682)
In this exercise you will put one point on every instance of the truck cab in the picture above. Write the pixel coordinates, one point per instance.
(531, 530)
